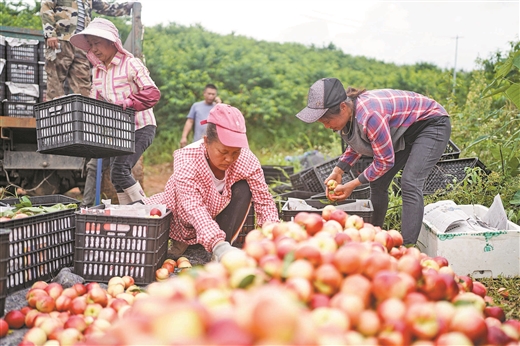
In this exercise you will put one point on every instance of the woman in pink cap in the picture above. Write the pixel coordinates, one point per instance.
(213, 184)
(120, 78)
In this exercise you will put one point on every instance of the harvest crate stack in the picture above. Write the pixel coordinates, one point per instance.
(19, 77)
(450, 168)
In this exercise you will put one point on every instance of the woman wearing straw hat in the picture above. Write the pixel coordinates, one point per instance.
(213, 184)
(120, 78)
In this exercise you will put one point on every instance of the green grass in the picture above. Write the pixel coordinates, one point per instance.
(505, 293)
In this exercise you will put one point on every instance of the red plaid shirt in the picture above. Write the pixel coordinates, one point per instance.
(195, 201)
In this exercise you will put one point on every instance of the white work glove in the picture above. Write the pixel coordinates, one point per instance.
(221, 249)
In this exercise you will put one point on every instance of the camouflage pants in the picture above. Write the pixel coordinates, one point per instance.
(71, 64)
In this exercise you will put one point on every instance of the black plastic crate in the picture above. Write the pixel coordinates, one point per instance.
(247, 227)
(42, 75)
(294, 194)
(447, 171)
(4, 258)
(3, 69)
(296, 180)
(277, 173)
(18, 109)
(20, 97)
(322, 172)
(350, 206)
(76, 125)
(40, 245)
(108, 246)
(41, 51)
(22, 72)
(451, 152)
(360, 165)
(43, 93)
(312, 181)
(2, 47)
(281, 198)
(2, 91)
(23, 52)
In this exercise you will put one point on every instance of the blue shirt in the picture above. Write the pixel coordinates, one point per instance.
(199, 111)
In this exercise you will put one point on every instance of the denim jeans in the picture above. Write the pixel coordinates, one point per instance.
(121, 166)
(417, 160)
(232, 218)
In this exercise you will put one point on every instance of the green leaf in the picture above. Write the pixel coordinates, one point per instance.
(516, 199)
(498, 91)
(288, 259)
(24, 202)
(513, 93)
(248, 280)
(516, 60)
(505, 68)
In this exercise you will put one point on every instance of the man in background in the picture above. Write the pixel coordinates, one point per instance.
(199, 111)
(66, 64)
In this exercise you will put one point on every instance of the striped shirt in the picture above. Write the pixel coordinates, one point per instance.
(383, 116)
(195, 201)
(124, 76)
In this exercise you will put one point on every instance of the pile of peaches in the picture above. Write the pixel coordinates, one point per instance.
(321, 279)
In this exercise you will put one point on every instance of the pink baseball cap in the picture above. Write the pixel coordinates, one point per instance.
(231, 126)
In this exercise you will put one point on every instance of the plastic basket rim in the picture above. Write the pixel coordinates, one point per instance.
(44, 105)
(79, 213)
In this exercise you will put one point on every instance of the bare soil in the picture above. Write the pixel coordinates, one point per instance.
(155, 177)
(153, 181)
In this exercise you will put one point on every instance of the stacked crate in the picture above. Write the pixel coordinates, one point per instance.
(20, 77)
(2, 70)
(42, 75)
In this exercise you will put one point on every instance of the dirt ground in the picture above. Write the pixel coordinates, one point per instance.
(155, 177)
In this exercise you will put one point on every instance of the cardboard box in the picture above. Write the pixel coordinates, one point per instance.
(471, 250)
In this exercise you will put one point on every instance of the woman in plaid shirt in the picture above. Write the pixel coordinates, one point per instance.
(213, 184)
(399, 129)
(118, 77)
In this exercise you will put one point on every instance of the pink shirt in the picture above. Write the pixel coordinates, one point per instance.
(125, 76)
(194, 200)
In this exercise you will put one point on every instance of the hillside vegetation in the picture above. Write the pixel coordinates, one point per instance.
(269, 81)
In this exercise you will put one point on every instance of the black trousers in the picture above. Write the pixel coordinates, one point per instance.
(232, 218)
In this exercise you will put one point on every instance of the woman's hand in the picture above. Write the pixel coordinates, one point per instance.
(342, 192)
(332, 181)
